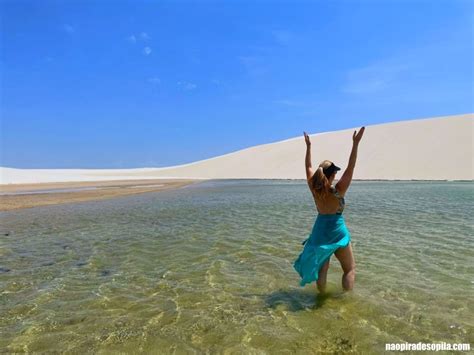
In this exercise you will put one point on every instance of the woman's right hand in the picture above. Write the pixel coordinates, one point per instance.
(306, 138)
(357, 137)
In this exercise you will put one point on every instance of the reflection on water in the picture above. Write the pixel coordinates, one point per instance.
(209, 267)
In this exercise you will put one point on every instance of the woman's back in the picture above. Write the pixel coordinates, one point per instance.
(334, 203)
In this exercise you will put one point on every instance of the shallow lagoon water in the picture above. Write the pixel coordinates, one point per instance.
(208, 268)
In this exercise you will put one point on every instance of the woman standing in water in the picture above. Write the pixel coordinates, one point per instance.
(330, 234)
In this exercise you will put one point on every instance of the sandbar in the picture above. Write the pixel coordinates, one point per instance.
(19, 196)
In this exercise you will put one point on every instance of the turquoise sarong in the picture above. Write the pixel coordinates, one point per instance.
(329, 234)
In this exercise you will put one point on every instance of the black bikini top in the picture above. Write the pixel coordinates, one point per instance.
(342, 202)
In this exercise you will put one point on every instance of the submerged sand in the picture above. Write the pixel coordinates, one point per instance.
(34, 195)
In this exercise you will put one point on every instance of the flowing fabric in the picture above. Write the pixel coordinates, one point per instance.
(329, 234)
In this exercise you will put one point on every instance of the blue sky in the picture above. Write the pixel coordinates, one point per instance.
(111, 84)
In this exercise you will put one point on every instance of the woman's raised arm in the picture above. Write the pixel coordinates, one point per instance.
(307, 161)
(343, 184)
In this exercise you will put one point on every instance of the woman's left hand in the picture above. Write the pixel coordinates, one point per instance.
(306, 138)
(357, 137)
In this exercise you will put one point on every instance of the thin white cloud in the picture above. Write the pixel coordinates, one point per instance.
(282, 37)
(254, 64)
(146, 51)
(68, 28)
(412, 71)
(373, 78)
(261, 49)
(248, 60)
(216, 81)
(154, 80)
(132, 39)
(187, 85)
(144, 36)
(294, 103)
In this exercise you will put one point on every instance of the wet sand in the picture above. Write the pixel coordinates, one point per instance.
(17, 196)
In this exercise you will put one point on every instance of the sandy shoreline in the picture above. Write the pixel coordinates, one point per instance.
(19, 196)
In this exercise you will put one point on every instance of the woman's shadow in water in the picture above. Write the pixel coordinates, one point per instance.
(297, 300)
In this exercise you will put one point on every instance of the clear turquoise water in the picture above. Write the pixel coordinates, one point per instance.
(208, 268)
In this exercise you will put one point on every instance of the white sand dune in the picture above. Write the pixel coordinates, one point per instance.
(425, 149)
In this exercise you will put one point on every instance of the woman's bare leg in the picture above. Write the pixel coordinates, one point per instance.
(346, 258)
(322, 277)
